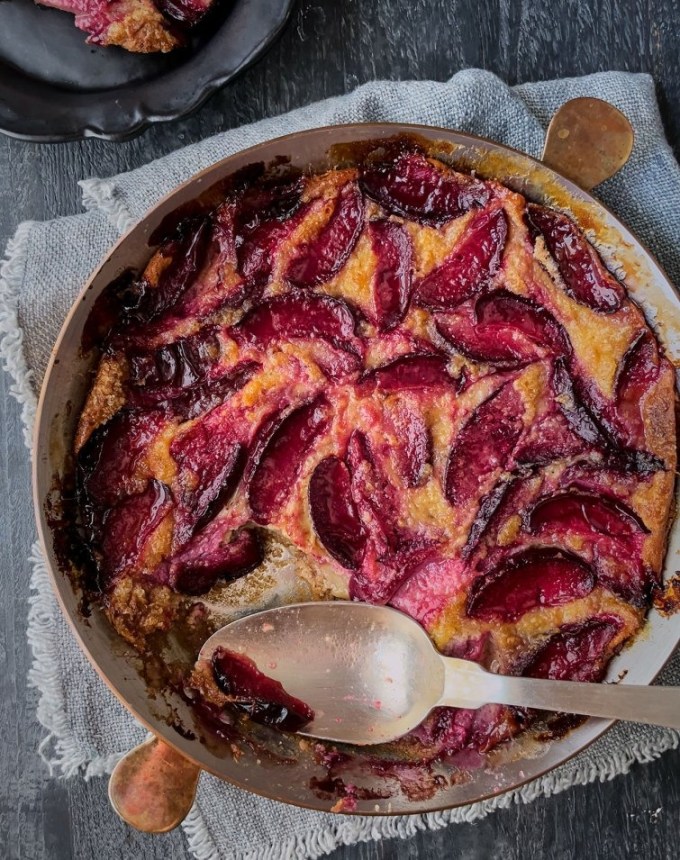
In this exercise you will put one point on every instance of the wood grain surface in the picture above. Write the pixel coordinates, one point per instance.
(330, 47)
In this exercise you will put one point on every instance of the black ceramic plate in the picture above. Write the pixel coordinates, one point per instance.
(54, 87)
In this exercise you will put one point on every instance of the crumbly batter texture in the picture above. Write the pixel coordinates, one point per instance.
(422, 388)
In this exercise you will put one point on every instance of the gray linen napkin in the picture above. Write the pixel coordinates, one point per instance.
(45, 266)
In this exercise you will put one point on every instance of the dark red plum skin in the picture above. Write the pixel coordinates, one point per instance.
(392, 280)
(203, 562)
(415, 449)
(412, 186)
(205, 396)
(579, 417)
(282, 456)
(174, 366)
(585, 276)
(129, 524)
(409, 372)
(391, 554)
(576, 653)
(334, 513)
(107, 461)
(504, 330)
(299, 314)
(257, 247)
(186, 12)
(586, 514)
(595, 422)
(322, 257)
(188, 253)
(493, 345)
(491, 507)
(639, 370)
(484, 444)
(263, 699)
(532, 578)
(210, 461)
(468, 270)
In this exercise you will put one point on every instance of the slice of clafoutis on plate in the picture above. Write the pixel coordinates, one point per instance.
(140, 26)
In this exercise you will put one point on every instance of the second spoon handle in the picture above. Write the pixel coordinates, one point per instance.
(659, 706)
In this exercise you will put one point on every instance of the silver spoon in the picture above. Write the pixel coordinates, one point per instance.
(371, 674)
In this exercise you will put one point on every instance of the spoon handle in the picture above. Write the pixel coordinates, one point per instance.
(659, 706)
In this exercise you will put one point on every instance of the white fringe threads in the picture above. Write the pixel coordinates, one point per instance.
(11, 335)
(101, 195)
(65, 755)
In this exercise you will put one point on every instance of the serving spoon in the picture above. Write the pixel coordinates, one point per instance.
(371, 674)
(153, 786)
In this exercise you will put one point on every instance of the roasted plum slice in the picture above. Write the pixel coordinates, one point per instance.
(484, 445)
(503, 308)
(412, 185)
(584, 513)
(391, 554)
(185, 257)
(595, 424)
(322, 257)
(503, 329)
(263, 699)
(614, 534)
(578, 652)
(370, 494)
(531, 578)
(256, 247)
(210, 462)
(129, 524)
(579, 417)
(207, 395)
(185, 12)
(639, 370)
(281, 458)
(550, 438)
(496, 345)
(264, 215)
(415, 451)
(217, 284)
(108, 460)
(213, 555)
(584, 274)
(392, 278)
(470, 267)
(174, 367)
(334, 513)
(491, 508)
(409, 373)
(299, 315)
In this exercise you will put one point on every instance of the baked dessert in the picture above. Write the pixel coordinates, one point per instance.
(141, 26)
(425, 389)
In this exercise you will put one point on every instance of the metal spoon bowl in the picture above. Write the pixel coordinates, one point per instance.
(371, 674)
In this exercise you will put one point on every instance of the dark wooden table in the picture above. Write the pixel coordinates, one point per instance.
(330, 47)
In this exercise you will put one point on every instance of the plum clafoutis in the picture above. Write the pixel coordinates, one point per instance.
(426, 389)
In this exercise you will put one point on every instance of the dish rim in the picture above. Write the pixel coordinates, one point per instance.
(364, 132)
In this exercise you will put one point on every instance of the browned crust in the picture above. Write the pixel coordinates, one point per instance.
(105, 398)
(142, 30)
(660, 432)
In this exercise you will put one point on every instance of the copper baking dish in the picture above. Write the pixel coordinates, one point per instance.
(68, 376)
